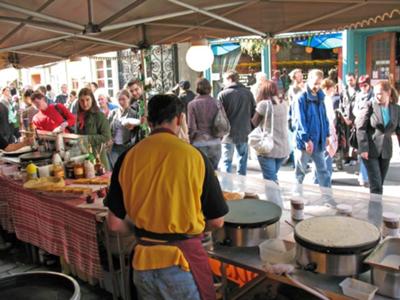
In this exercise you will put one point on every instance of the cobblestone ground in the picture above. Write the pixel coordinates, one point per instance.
(16, 260)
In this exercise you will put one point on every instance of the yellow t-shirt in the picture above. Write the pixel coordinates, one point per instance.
(166, 187)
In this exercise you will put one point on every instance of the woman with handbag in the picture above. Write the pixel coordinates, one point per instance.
(271, 119)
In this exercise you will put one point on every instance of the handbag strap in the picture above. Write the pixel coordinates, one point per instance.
(269, 112)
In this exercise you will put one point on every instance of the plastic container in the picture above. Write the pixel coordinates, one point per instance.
(31, 170)
(391, 224)
(297, 208)
(344, 210)
(358, 289)
(277, 251)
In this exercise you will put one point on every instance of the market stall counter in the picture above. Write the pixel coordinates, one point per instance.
(228, 261)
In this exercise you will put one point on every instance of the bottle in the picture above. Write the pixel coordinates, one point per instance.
(91, 156)
(89, 169)
(31, 170)
(98, 167)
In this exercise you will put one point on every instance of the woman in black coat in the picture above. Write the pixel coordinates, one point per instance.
(376, 123)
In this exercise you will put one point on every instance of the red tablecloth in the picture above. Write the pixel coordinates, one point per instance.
(56, 225)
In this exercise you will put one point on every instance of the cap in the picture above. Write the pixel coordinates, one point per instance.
(364, 79)
(184, 84)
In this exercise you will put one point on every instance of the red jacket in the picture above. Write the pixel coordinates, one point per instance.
(50, 118)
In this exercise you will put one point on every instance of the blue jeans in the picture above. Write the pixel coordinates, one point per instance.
(171, 283)
(213, 152)
(116, 151)
(329, 168)
(363, 176)
(318, 157)
(270, 167)
(227, 157)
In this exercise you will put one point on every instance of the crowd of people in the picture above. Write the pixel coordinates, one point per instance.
(316, 120)
(313, 121)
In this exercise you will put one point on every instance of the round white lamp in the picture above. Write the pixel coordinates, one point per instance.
(199, 57)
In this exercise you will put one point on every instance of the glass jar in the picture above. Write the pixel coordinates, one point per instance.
(391, 224)
(344, 210)
(58, 171)
(297, 209)
(70, 170)
(79, 170)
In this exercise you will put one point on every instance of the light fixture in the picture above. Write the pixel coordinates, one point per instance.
(309, 50)
(199, 56)
(335, 50)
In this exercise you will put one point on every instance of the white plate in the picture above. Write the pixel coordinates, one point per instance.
(130, 121)
(24, 149)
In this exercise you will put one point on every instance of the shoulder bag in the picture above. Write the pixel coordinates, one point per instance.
(260, 139)
(220, 123)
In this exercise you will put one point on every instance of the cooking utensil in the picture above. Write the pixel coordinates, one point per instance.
(249, 223)
(385, 267)
(318, 250)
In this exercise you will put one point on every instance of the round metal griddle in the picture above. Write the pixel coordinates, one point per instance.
(252, 213)
(35, 156)
(341, 224)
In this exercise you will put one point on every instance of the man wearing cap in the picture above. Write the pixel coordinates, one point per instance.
(185, 94)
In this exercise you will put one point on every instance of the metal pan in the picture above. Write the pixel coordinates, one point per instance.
(249, 223)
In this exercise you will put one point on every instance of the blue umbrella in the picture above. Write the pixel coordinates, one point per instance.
(323, 41)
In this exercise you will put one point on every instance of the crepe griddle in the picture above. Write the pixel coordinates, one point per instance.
(252, 213)
(35, 156)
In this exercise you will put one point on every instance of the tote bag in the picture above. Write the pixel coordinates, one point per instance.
(260, 139)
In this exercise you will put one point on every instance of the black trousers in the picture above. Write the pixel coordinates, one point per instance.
(377, 169)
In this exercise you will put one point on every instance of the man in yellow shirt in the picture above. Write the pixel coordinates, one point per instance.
(169, 190)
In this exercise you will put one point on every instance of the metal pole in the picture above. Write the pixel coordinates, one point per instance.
(90, 11)
(217, 17)
(33, 44)
(40, 54)
(166, 16)
(122, 12)
(41, 16)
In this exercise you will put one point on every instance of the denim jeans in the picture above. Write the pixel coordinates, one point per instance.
(171, 283)
(363, 176)
(377, 169)
(318, 157)
(329, 168)
(213, 152)
(270, 167)
(116, 151)
(227, 157)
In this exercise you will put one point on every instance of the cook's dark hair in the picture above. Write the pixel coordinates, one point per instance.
(48, 87)
(203, 87)
(163, 108)
(88, 92)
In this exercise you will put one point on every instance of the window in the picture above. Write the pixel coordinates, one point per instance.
(104, 76)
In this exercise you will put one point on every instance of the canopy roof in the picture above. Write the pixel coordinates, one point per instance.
(34, 32)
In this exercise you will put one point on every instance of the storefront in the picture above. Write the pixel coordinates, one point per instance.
(373, 51)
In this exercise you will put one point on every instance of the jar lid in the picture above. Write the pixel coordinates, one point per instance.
(390, 217)
(296, 200)
(344, 208)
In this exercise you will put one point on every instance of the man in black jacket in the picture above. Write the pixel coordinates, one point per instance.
(239, 105)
